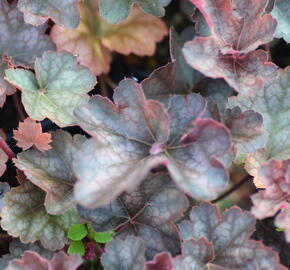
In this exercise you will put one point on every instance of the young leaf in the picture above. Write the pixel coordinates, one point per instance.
(3, 160)
(103, 237)
(24, 216)
(219, 241)
(147, 212)
(188, 146)
(77, 232)
(273, 103)
(33, 261)
(244, 72)
(29, 133)
(281, 13)
(51, 170)
(124, 254)
(162, 261)
(76, 247)
(95, 39)
(64, 13)
(228, 21)
(14, 46)
(58, 86)
(115, 11)
(274, 176)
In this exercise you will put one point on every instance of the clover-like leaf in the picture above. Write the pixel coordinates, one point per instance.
(273, 104)
(64, 13)
(115, 11)
(31, 260)
(281, 13)
(228, 21)
(274, 176)
(3, 160)
(29, 133)
(124, 254)
(148, 212)
(24, 216)
(161, 261)
(141, 134)
(95, 39)
(15, 45)
(52, 170)
(221, 241)
(58, 86)
(244, 72)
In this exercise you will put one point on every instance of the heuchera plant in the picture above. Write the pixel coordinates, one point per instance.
(116, 172)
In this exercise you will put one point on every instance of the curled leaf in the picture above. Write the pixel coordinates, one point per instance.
(29, 133)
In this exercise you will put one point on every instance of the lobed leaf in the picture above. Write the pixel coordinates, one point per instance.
(221, 241)
(161, 261)
(281, 13)
(272, 103)
(24, 216)
(95, 39)
(140, 135)
(3, 160)
(52, 170)
(64, 13)
(115, 11)
(29, 133)
(58, 86)
(124, 254)
(20, 43)
(33, 261)
(148, 212)
(229, 20)
(77, 232)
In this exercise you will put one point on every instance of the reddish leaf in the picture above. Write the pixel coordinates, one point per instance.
(29, 133)
(3, 160)
(161, 261)
(33, 261)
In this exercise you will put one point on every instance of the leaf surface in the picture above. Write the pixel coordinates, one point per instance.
(161, 261)
(147, 212)
(58, 86)
(31, 260)
(52, 170)
(115, 11)
(64, 13)
(140, 135)
(281, 13)
(15, 47)
(29, 133)
(3, 160)
(124, 254)
(221, 241)
(95, 39)
(24, 216)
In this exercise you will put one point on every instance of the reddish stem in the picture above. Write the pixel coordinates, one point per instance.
(6, 149)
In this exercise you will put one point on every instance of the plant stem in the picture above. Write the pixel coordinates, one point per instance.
(6, 149)
(233, 188)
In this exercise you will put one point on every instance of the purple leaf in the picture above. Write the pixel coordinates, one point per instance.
(124, 254)
(161, 261)
(221, 241)
(148, 212)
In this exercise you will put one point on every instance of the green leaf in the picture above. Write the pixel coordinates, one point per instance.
(77, 232)
(57, 88)
(103, 237)
(76, 247)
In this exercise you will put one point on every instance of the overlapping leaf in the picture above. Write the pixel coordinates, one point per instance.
(228, 52)
(281, 13)
(161, 261)
(273, 104)
(139, 135)
(148, 212)
(29, 133)
(3, 160)
(116, 10)
(275, 177)
(124, 254)
(221, 241)
(52, 170)
(31, 260)
(24, 216)
(58, 86)
(64, 13)
(95, 39)
(20, 42)
(4, 187)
